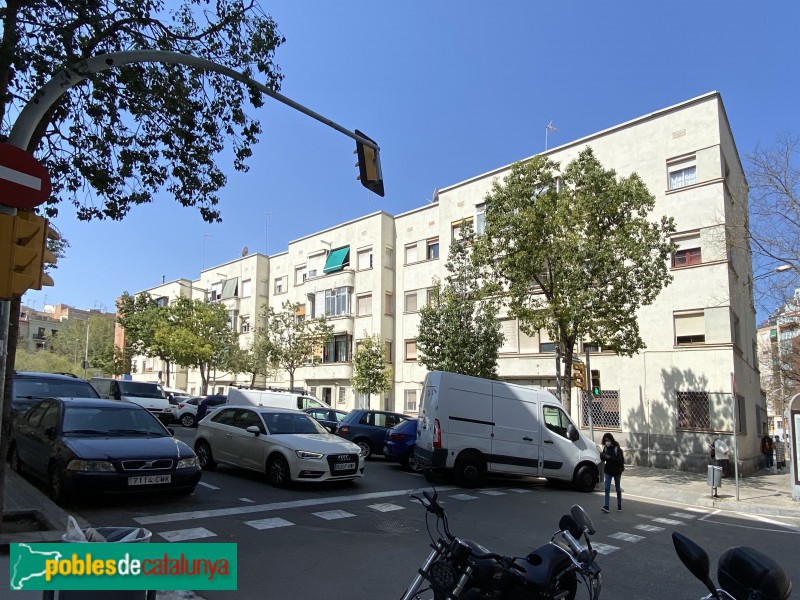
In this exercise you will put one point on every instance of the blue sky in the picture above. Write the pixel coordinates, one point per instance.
(449, 90)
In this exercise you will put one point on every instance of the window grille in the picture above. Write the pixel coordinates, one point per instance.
(605, 409)
(693, 410)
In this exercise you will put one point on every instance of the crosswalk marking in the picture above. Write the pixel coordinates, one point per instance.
(271, 523)
(626, 537)
(180, 535)
(464, 497)
(385, 507)
(651, 528)
(669, 521)
(517, 490)
(493, 493)
(604, 548)
(330, 515)
(682, 515)
(246, 500)
(208, 485)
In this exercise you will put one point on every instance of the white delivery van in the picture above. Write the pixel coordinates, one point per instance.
(273, 399)
(476, 426)
(146, 394)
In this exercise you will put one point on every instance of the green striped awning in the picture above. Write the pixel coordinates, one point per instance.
(337, 260)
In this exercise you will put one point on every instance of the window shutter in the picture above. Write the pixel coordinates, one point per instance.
(690, 324)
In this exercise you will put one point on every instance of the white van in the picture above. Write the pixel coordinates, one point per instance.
(146, 394)
(272, 399)
(476, 426)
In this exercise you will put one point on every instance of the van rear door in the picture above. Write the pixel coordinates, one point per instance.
(515, 445)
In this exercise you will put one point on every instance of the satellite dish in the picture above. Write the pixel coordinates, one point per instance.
(244, 251)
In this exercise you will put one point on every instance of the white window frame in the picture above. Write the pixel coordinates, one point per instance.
(364, 259)
(247, 288)
(410, 357)
(681, 173)
(410, 401)
(411, 253)
(364, 305)
(480, 218)
(412, 295)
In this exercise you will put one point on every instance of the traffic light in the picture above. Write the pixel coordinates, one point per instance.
(369, 166)
(596, 382)
(23, 252)
(579, 375)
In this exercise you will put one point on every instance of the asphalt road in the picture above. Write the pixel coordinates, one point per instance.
(367, 539)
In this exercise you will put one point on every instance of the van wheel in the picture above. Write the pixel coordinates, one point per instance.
(204, 456)
(585, 479)
(469, 471)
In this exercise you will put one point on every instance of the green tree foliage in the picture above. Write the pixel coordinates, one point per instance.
(371, 374)
(293, 340)
(253, 360)
(70, 342)
(576, 252)
(43, 361)
(197, 334)
(141, 316)
(458, 328)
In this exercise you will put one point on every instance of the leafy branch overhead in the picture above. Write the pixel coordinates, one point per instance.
(124, 135)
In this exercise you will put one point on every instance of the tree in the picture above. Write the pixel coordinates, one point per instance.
(123, 135)
(254, 360)
(371, 374)
(71, 343)
(141, 316)
(46, 362)
(576, 252)
(292, 339)
(197, 334)
(458, 327)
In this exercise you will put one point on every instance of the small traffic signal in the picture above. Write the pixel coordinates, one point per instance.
(579, 375)
(595, 382)
(23, 252)
(369, 165)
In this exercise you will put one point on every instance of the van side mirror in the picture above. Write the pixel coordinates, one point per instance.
(572, 433)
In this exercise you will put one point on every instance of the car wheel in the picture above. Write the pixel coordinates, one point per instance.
(366, 448)
(411, 462)
(204, 455)
(584, 479)
(13, 459)
(58, 488)
(278, 471)
(469, 471)
(187, 420)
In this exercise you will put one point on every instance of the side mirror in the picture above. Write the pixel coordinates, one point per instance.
(330, 428)
(254, 429)
(694, 558)
(568, 523)
(583, 519)
(572, 433)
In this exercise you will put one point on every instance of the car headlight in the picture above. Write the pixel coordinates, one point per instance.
(307, 454)
(188, 463)
(90, 465)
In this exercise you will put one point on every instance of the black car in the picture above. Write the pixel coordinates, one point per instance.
(207, 404)
(368, 428)
(28, 388)
(84, 446)
(327, 417)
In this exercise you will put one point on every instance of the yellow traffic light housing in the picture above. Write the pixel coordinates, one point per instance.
(579, 375)
(369, 165)
(23, 253)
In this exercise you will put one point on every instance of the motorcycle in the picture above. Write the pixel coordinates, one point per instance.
(458, 568)
(743, 573)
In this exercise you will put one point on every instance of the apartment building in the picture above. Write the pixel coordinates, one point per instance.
(697, 379)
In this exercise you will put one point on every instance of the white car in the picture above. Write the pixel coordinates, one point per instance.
(185, 411)
(285, 443)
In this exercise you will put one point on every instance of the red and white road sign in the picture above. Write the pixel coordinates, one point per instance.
(24, 182)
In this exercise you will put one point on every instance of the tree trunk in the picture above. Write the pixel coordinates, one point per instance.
(203, 381)
(5, 424)
(291, 378)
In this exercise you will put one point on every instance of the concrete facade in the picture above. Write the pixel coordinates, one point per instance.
(665, 405)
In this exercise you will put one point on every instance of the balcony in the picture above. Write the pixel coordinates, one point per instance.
(344, 278)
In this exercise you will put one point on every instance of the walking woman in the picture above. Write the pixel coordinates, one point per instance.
(614, 466)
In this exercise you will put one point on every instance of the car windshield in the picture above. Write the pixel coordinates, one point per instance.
(281, 423)
(123, 421)
(48, 388)
(139, 389)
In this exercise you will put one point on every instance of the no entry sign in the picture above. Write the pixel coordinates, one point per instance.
(24, 182)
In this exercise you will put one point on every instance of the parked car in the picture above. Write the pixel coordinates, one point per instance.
(147, 394)
(185, 412)
(368, 428)
(27, 388)
(285, 443)
(207, 404)
(329, 418)
(400, 443)
(88, 446)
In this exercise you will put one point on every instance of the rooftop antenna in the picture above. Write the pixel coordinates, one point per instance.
(435, 196)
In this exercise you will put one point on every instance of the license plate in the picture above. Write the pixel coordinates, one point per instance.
(344, 466)
(149, 479)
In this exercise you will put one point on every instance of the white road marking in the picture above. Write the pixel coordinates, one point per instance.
(604, 548)
(180, 535)
(330, 515)
(254, 508)
(652, 528)
(464, 497)
(246, 500)
(669, 521)
(517, 490)
(627, 537)
(385, 507)
(493, 493)
(208, 485)
(681, 515)
(269, 523)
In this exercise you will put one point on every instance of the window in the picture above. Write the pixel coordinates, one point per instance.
(410, 401)
(342, 395)
(555, 420)
(545, 344)
(388, 304)
(411, 350)
(690, 328)
(682, 174)
(388, 255)
(364, 305)
(364, 259)
(456, 226)
(247, 288)
(312, 391)
(684, 258)
(337, 302)
(244, 322)
(337, 349)
(162, 301)
(741, 414)
(387, 351)
(411, 253)
(430, 295)
(280, 285)
(432, 249)
(411, 301)
(480, 218)
(508, 327)
(299, 275)
(316, 263)
(735, 330)
(232, 315)
(216, 291)
(692, 410)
